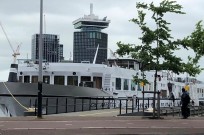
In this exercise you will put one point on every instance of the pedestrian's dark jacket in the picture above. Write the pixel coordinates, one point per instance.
(185, 99)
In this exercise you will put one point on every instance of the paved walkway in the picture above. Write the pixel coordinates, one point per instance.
(99, 122)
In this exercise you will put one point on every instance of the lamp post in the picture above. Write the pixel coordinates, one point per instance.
(40, 78)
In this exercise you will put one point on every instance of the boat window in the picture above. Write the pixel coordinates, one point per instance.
(72, 80)
(98, 82)
(118, 84)
(46, 79)
(85, 78)
(59, 80)
(133, 85)
(125, 84)
(26, 79)
(34, 79)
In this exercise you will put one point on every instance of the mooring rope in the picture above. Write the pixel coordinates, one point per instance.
(26, 108)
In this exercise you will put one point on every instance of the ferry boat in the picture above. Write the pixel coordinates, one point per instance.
(111, 79)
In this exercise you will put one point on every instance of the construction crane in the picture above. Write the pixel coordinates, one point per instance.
(15, 52)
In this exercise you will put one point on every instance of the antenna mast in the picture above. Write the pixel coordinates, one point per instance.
(91, 9)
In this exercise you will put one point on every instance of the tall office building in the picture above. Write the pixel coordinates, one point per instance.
(89, 38)
(52, 50)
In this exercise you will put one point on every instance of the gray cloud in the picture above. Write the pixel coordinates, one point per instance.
(21, 20)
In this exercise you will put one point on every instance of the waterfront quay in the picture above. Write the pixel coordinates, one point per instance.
(99, 122)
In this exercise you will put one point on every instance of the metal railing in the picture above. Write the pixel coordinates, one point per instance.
(65, 104)
(130, 105)
(60, 104)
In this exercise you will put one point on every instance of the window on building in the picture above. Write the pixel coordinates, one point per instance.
(91, 35)
(94, 35)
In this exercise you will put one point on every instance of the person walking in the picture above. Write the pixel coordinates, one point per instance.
(185, 100)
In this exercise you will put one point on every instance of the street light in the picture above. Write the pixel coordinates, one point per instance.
(40, 80)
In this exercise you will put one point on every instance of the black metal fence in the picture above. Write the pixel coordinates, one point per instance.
(167, 107)
(63, 104)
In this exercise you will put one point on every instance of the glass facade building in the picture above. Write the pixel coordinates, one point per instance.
(89, 37)
(52, 50)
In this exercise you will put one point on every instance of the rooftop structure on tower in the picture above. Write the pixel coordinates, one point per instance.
(89, 38)
(90, 21)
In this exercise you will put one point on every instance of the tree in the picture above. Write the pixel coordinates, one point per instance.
(196, 42)
(157, 43)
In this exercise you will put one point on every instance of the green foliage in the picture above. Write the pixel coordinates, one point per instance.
(138, 80)
(157, 42)
(195, 41)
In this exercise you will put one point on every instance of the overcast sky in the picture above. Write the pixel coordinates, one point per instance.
(20, 19)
